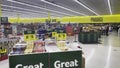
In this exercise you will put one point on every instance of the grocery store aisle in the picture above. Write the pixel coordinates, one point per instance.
(102, 56)
(111, 40)
(4, 64)
(105, 55)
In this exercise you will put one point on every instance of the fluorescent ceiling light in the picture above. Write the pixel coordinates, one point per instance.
(39, 7)
(109, 5)
(62, 7)
(9, 13)
(22, 12)
(27, 14)
(86, 7)
(28, 10)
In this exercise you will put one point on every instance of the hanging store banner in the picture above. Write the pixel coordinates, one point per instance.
(96, 19)
(74, 19)
(29, 61)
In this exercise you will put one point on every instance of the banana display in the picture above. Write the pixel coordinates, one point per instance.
(28, 47)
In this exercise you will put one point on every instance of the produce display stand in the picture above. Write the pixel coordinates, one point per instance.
(53, 57)
(88, 37)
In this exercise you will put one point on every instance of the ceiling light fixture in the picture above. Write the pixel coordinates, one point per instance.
(109, 5)
(24, 13)
(86, 7)
(62, 7)
(39, 7)
(28, 10)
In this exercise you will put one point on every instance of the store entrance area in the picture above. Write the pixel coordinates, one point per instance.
(103, 55)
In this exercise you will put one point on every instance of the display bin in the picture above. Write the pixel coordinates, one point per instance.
(88, 37)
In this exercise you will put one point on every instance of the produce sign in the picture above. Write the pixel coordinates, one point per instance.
(61, 36)
(29, 35)
(54, 34)
(70, 59)
(29, 61)
(3, 51)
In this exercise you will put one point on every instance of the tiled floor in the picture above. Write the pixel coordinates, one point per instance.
(105, 55)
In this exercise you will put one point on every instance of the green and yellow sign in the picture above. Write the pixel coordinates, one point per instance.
(29, 35)
(29, 61)
(70, 59)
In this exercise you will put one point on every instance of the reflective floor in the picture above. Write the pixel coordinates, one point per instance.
(104, 55)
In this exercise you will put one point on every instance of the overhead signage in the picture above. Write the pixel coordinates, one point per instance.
(29, 32)
(50, 20)
(70, 59)
(96, 19)
(4, 19)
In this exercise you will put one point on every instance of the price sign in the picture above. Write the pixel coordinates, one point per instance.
(64, 36)
(58, 37)
(29, 36)
(3, 51)
(54, 34)
(61, 36)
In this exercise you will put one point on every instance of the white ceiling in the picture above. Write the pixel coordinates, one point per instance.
(59, 8)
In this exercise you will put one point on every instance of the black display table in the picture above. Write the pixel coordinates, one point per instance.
(88, 37)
